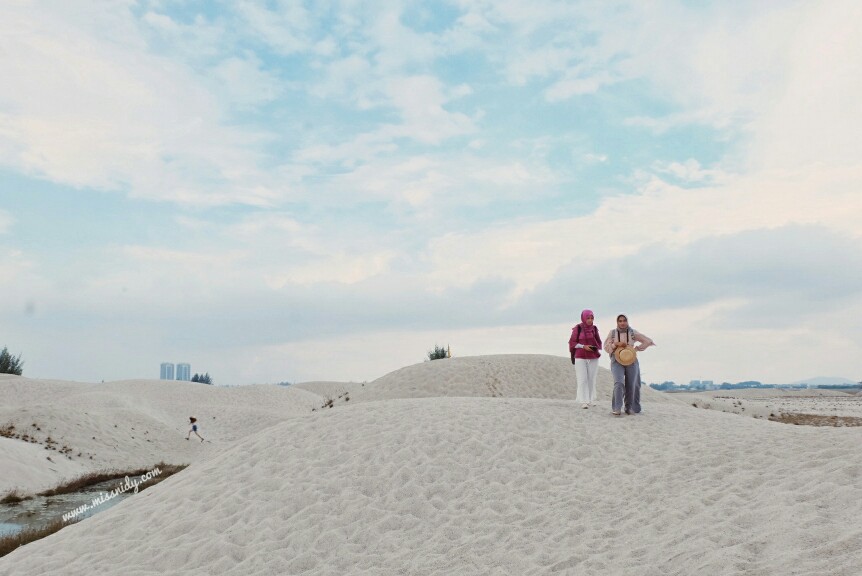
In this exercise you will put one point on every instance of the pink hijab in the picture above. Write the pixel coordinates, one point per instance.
(586, 329)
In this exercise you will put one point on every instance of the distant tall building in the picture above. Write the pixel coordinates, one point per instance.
(167, 371)
(184, 372)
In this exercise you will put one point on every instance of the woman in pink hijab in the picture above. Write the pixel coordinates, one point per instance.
(585, 347)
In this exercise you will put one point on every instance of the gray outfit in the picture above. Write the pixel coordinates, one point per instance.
(627, 386)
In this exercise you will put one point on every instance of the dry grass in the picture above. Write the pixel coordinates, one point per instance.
(815, 419)
(11, 542)
(13, 497)
(98, 476)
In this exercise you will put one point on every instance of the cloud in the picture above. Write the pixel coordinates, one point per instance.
(75, 80)
(776, 277)
(688, 171)
(245, 83)
(531, 253)
(403, 187)
(420, 101)
(285, 28)
(812, 117)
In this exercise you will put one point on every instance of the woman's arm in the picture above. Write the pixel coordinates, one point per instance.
(609, 343)
(645, 341)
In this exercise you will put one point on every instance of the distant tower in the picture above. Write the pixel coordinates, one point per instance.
(167, 371)
(184, 372)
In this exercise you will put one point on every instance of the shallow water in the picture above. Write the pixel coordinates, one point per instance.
(40, 510)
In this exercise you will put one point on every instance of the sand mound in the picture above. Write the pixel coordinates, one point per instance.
(479, 465)
(489, 486)
(501, 376)
(132, 423)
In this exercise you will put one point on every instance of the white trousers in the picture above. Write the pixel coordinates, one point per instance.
(586, 371)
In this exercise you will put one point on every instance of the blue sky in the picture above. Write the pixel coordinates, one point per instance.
(293, 191)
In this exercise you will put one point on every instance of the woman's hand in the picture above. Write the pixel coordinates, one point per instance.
(620, 345)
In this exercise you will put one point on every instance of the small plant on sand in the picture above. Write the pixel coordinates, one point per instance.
(202, 378)
(439, 353)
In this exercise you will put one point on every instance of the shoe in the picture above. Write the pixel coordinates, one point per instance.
(615, 413)
(628, 412)
(585, 406)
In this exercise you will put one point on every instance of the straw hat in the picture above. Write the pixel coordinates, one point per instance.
(626, 356)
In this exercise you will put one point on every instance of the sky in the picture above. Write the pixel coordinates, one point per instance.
(292, 191)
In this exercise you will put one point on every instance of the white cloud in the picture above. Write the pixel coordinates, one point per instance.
(342, 267)
(575, 84)
(540, 63)
(397, 47)
(420, 100)
(420, 103)
(530, 254)
(431, 187)
(197, 40)
(245, 83)
(348, 78)
(816, 116)
(593, 158)
(285, 29)
(88, 107)
(688, 171)
(732, 74)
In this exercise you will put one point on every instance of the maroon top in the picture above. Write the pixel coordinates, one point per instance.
(586, 335)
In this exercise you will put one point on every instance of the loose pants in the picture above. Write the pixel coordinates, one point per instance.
(586, 370)
(627, 386)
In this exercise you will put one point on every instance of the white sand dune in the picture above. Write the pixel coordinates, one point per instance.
(503, 376)
(457, 479)
(126, 424)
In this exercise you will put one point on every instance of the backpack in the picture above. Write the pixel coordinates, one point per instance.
(577, 339)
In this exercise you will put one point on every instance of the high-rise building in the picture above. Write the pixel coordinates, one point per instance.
(167, 371)
(184, 372)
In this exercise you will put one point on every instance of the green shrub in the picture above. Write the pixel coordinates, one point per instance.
(10, 364)
(202, 378)
(439, 352)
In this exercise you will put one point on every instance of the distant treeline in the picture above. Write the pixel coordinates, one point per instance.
(674, 387)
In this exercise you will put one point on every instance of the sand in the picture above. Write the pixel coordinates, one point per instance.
(766, 403)
(126, 424)
(485, 466)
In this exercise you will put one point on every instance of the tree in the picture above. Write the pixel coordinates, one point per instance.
(439, 352)
(10, 364)
(202, 378)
